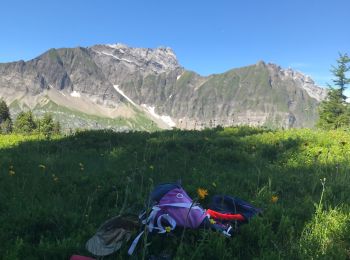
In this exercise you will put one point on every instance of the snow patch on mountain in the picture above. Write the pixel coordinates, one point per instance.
(116, 87)
(75, 94)
(166, 119)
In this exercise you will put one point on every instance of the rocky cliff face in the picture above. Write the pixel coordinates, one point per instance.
(114, 81)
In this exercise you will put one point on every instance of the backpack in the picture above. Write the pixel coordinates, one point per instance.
(228, 205)
(170, 207)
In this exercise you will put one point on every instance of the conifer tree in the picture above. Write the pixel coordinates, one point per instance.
(5, 118)
(25, 123)
(334, 111)
(4, 111)
(48, 126)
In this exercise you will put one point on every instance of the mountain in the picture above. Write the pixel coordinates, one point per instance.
(120, 87)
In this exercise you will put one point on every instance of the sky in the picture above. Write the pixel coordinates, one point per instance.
(207, 36)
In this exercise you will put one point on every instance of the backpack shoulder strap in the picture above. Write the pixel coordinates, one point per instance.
(153, 224)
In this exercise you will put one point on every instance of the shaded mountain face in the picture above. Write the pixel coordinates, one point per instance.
(116, 82)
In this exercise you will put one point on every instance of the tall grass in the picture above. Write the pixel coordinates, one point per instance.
(55, 193)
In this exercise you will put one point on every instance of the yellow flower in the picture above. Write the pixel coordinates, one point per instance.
(168, 229)
(202, 193)
(274, 198)
(212, 221)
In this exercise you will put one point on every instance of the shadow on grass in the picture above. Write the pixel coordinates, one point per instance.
(55, 193)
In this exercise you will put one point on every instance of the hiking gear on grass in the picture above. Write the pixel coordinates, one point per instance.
(171, 207)
(224, 216)
(111, 235)
(230, 205)
(170, 202)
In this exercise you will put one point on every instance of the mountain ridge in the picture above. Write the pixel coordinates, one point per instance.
(161, 89)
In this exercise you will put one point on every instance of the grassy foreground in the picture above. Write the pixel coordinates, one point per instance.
(55, 193)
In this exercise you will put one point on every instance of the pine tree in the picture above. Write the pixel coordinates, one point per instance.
(4, 111)
(340, 73)
(25, 123)
(334, 111)
(57, 127)
(48, 126)
(6, 126)
(5, 118)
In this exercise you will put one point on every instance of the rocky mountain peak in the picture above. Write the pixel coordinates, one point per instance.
(303, 80)
(116, 80)
(158, 60)
(261, 63)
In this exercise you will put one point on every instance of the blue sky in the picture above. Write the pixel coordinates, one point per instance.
(207, 36)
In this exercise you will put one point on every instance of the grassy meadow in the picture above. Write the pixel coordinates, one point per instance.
(55, 193)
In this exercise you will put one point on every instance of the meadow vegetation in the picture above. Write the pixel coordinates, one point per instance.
(55, 193)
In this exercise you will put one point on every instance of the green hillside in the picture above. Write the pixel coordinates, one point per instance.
(71, 119)
(56, 193)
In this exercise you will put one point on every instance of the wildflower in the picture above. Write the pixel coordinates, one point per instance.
(167, 229)
(81, 166)
(54, 178)
(212, 221)
(42, 166)
(274, 198)
(11, 173)
(202, 193)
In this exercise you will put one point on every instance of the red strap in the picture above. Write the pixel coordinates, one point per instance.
(218, 215)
